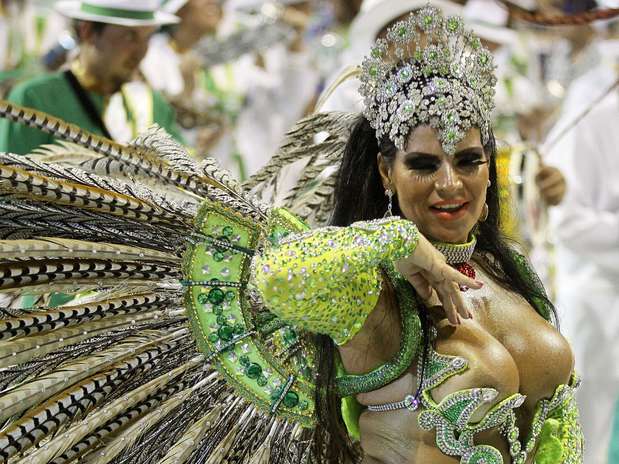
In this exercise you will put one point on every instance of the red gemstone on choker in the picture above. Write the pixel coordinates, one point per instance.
(467, 270)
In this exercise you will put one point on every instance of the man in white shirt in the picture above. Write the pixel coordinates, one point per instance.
(280, 84)
(586, 226)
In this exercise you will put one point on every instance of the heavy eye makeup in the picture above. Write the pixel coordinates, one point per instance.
(470, 159)
(425, 163)
(422, 162)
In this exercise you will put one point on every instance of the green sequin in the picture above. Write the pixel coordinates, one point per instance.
(253, 371)
(290, 336)
(225, 333)
(217, 309)
(453, 24)
(216, 296)
(291, 399)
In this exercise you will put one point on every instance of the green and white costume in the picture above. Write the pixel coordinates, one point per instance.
(126, 113)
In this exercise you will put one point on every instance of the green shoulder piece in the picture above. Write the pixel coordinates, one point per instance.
(267, 362)
(528, 273)
(410, 344)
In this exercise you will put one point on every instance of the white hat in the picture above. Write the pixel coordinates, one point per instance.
(172, 6)
(256, 5)
(376, 14)
(119, 12)
(488, 19)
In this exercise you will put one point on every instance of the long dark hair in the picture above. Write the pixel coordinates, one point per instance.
(359, 196)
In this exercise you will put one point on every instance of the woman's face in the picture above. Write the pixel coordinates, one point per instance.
(443, 195)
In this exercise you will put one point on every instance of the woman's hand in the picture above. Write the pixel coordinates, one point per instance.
(429, 273)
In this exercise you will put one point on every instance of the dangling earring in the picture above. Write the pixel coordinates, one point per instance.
(484, 213)
(389, 194)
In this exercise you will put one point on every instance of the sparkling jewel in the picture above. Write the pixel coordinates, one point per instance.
(411, 402)
(216, 296)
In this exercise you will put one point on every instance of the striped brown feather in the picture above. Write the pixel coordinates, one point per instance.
(143, 160)
(43, 320)
(21, 219)
(83, 434)
(75, 401)
(184, 211)
(19, 183)
(33, 272)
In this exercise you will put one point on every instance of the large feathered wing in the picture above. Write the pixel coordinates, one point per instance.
(163, 354)
(302, 174)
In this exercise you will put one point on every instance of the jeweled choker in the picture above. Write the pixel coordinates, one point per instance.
(456, 253)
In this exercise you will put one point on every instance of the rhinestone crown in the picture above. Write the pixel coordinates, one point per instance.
(428, 70)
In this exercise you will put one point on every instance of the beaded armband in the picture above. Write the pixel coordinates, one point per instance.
(329, 280)
(265, 360)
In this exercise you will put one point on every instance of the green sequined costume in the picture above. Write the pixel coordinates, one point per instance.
(328, 281)
(195, 340)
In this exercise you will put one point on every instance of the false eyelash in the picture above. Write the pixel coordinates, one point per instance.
(425, 177)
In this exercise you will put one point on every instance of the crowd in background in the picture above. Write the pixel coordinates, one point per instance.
(229, 78)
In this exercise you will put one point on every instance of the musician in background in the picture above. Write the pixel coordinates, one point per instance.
(97, 92)
(280, 85)
(173, 67)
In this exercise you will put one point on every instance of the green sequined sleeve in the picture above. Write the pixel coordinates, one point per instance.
(328, 280)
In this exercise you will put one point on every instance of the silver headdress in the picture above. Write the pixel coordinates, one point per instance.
(429, 70)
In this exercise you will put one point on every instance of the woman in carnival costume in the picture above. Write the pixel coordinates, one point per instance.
(359, 342)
